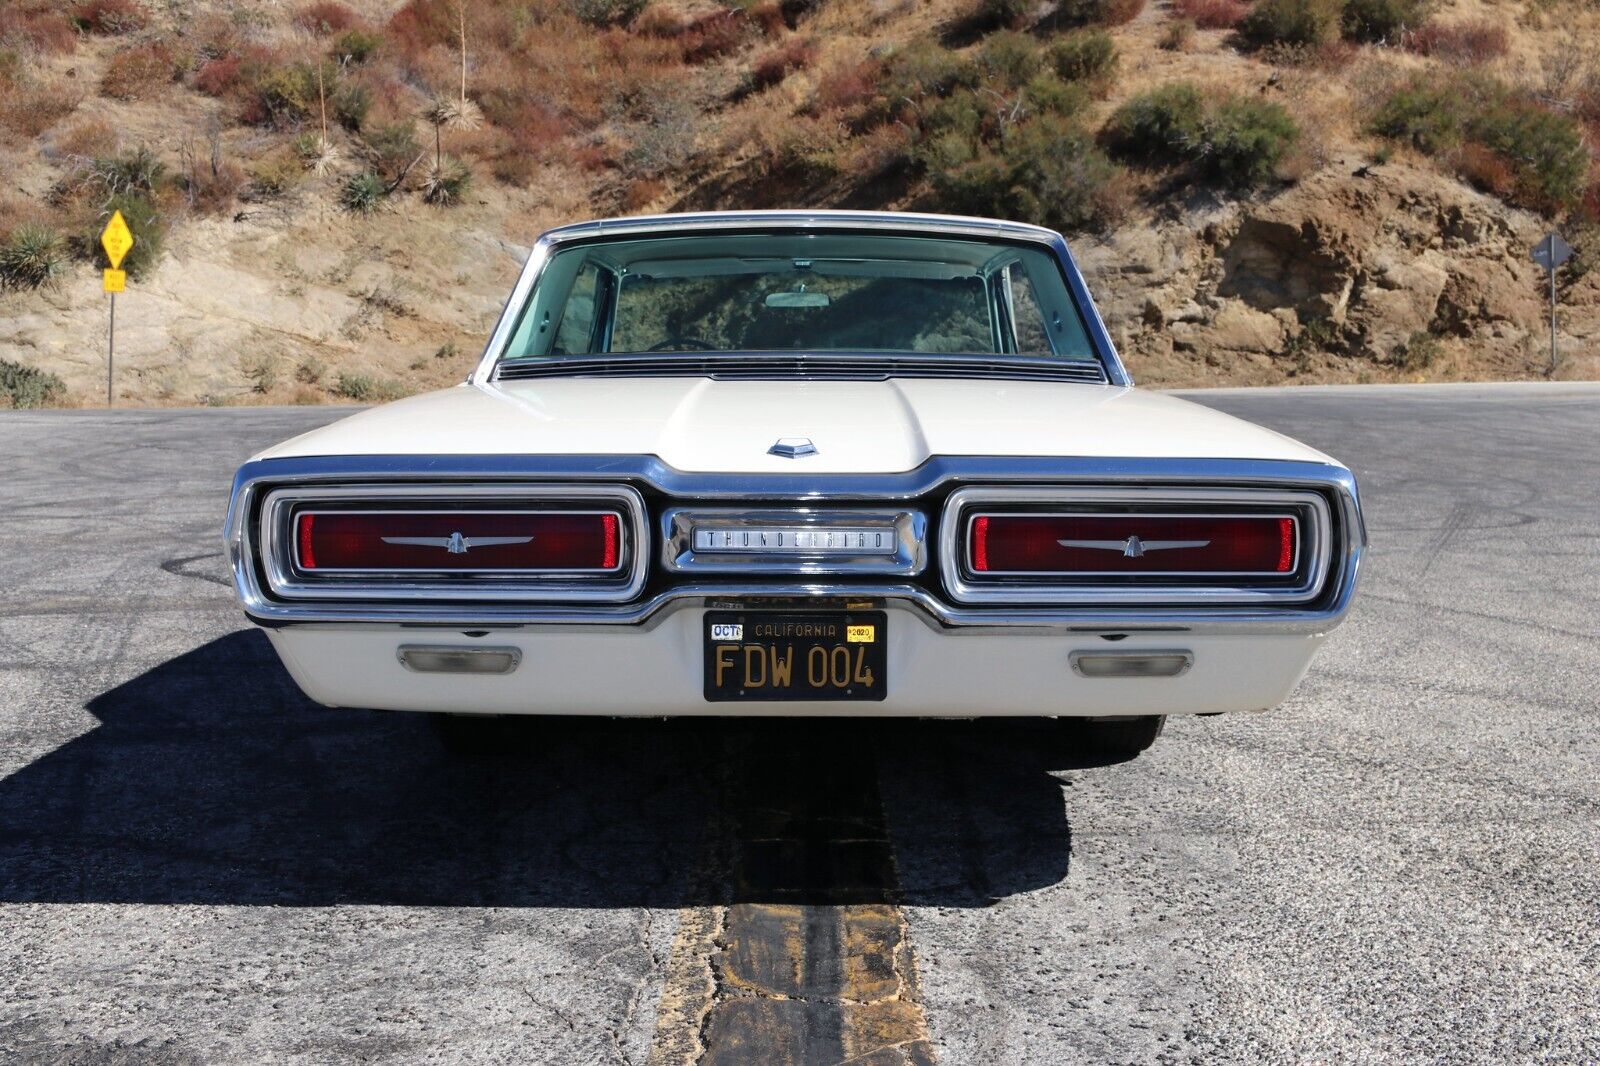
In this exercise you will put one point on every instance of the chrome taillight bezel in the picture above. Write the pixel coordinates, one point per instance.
(965, 585)
(285, 580)
(301, 570)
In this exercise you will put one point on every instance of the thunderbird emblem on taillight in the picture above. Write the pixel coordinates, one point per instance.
(455, 543)
(1133, 547)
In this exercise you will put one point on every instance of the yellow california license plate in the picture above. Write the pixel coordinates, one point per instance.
(769, 655)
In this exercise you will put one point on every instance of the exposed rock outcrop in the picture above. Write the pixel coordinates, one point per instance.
(1338, 275)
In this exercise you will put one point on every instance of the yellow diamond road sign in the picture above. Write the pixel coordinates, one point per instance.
(116, 240)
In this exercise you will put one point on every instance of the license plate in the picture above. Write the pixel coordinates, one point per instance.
(759, 655)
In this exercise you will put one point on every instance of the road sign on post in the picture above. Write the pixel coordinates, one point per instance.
(116, 239)
(1550, 253)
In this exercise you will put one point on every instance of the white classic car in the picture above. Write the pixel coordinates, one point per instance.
(798, 463)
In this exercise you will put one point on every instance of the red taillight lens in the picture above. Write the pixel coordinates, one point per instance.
(1262, 545)
(458, 541)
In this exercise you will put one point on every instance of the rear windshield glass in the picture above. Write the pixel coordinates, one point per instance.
(789, 292)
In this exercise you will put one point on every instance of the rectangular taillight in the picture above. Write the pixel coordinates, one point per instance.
(462, 541)
(1157, 545)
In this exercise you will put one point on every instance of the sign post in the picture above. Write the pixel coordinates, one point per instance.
(116, 239)
(1550, 253)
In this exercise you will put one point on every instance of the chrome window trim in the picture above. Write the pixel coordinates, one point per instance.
(881, 221)
(523, 471)
(968, 590)
(976, 513)
(285, 582)
(909, 527)
(499, 571)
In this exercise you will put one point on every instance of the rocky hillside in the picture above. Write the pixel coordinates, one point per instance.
(332, 198)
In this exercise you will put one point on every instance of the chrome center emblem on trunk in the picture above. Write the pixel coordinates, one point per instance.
(793, 447)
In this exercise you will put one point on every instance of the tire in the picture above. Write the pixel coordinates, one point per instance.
(1121, 738)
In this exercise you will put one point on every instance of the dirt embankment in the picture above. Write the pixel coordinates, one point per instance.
(1343, 268)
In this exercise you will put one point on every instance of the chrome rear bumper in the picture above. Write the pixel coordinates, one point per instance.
(928, 485)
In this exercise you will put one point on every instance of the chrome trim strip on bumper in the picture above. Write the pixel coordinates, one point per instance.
(888, 488)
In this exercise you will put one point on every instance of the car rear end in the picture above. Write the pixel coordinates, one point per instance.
(972, 586)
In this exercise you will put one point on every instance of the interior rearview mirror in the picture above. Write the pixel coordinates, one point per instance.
(798, 299)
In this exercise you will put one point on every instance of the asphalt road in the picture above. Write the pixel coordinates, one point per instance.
(1400, 864)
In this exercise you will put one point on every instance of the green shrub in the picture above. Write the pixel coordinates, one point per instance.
(131, 182)
(358, 387)
(1420, 351)
(27, 386)
(607, 12)
(1049, 95)
(1507, 142)
(364, 388)
(913, 80)
(1295, 23)
(1163, 125)
(917, 72)
(288, 95)
(1427, 116)
(30, 256)
(1088, 56)
(1009, 59)
(138, 171)
(392, 147)
(362, 192)
(146, 222)
(283, 96)
(1049, 172)
(922, 69)
(1382, 20)
(356, 46)
(349, 104)
(1238, 139)
(950, 131)
(1543, 149)
(1246, 138)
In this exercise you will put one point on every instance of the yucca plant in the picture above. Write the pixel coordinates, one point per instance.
(446, 182)
(31, 256)
(362, 192)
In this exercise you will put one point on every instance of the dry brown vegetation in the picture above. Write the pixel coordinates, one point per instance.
(328, 121)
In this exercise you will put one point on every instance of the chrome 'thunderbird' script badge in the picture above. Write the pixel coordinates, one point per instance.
(1133, 547)
(793, 447)
(793, 539)
(455, 543)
